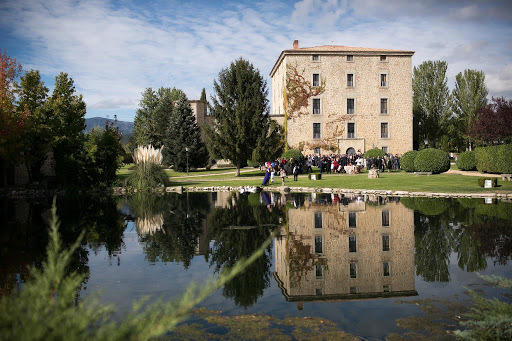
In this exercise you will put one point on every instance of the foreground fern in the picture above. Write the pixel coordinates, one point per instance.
(490, 319)
(46, 307)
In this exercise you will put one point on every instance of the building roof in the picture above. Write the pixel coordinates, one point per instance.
(336, 49)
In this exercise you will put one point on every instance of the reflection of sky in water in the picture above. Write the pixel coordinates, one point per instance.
(134, 278)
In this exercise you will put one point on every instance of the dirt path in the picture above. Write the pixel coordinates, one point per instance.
(468, 173)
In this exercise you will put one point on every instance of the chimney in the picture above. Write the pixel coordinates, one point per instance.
(295, 44)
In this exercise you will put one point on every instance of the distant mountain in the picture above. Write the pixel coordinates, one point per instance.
(125, 127)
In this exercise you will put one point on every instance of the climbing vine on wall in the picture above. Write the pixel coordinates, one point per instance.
(296, 94)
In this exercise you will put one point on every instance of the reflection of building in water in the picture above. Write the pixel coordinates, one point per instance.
(346, 250)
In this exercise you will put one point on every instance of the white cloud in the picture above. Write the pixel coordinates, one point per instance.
(113, 53)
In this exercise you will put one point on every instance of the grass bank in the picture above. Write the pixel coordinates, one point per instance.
(395, 181)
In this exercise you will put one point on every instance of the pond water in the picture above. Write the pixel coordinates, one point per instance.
(370, 266)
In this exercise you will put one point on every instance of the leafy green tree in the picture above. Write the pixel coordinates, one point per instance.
(105, 152)
(469, 95)
(39, 136)
(203, 96)
(183, 144)
(271, 143)
(431, 101)
(67, 111)
(239, 110)
(153, 115)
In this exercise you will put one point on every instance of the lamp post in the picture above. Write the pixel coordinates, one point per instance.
(186, 149)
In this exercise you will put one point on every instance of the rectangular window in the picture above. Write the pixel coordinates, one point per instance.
(385, 243)
(316, 106)
(317, 150)
(353, 290)
(350, 79)
(351, 130)
(319, 271)
(350, 58)
(385, 288)
(316, 130)
(383, 80)
(383, 105)
(316, 79)
(386, 269)
(318, 244)
(315, 58)
(352, 247)
(353, 270)
(318, 291)
(384, 149)
(383, 58)
(352, 219)
(350, 106)
(318, 220)
(384, 133)
(385, 218)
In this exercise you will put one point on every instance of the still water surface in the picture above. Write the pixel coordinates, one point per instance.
(365, 263)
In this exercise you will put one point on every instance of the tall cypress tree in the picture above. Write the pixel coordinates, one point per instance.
(239, 109)
(182, 134)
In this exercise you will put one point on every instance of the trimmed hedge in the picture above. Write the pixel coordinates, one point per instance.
(467, 161)
(407, 160)
(432, 160)
(318, 176)
(371, 153)
(494, 159)
(494, 181)
(292, 153)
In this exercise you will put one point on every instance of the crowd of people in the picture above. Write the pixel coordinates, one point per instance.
(332, 163)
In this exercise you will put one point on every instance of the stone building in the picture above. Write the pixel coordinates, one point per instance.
(346, 252)
(367, 101)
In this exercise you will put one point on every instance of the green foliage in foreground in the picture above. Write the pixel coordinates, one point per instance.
(490, 319)
(292, 153)
(467, 161)
(47, 307)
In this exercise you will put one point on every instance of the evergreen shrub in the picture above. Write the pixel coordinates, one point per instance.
(371, 153)
(407, 160)
(432, 160)
(481, 181)
(494, 159)
(467, 161)
(292, 153)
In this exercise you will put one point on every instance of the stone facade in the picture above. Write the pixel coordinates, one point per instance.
(199, 109)
(377, 81)
(341, 252)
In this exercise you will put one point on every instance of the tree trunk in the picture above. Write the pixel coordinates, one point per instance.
(237, 174)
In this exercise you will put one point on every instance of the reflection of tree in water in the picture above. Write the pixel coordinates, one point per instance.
(180, 218)
(238, 230)
(470, 227)
(432, 239)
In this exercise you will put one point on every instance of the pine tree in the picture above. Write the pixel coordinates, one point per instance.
(182, 134)
(239, 110)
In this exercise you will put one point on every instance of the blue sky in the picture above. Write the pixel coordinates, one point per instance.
(115, 49)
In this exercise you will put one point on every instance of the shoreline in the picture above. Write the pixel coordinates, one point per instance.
(287, 189)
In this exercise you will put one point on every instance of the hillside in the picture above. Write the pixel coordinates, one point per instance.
(125, 127)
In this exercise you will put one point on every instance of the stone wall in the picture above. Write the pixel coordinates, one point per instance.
(367, 93)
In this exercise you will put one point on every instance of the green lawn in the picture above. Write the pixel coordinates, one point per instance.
(395, 181)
